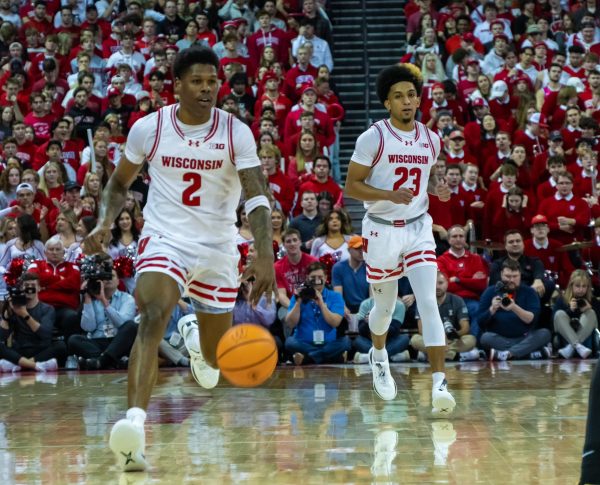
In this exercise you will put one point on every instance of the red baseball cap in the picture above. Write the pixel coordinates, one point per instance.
(307, 87)
(456, 134)
(478, 102)
(269, 75)
(112, 91)
(539, 219)
(438, 86)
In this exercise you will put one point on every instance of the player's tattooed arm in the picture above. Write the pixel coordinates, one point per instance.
(261, 270)
(254, 184)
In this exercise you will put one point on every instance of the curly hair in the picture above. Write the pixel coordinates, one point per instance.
(396, 74)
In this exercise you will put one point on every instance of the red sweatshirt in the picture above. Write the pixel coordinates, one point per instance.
(60, 284)
(575, 208)
(283, 190)
(464, 268)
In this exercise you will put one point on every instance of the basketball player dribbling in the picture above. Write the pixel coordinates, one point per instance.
(391, 171)
(199, 158)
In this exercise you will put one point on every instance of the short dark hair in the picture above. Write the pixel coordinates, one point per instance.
(576, 49)
(588, 123)
(186, 58)
(323, 157)
(510, 232)
(290, 231)
(316, 266)
(396, 74)
(27, 276)
(78, 90)
(239, 78)
(511, 265)
(156, 74)
(53, 143)
(556, 160)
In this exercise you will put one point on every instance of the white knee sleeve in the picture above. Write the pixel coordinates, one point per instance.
(384, 295)
(423, 281)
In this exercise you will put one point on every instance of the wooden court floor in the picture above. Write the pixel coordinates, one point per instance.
(515, 423)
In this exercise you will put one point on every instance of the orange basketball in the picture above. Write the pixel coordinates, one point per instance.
(247, 355)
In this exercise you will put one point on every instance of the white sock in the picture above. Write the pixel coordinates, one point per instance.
(379, 355)
(438, 378)
(137, 416)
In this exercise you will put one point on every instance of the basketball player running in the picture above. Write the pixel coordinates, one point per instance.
(200, 158)
(391, 171)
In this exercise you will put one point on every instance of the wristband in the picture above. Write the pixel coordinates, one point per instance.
(257, 201)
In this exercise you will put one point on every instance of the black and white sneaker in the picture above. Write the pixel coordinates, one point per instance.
(383, 382)
(127, 441)
(441, 400)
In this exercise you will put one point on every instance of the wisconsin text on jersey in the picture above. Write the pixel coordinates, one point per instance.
(418, 159)
(191, 163)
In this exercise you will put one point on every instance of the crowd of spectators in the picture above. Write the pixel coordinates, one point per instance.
(513, 90)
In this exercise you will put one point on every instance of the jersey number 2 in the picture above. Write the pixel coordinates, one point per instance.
(189, 196)
(415, 179)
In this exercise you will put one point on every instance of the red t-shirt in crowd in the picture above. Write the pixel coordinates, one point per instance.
(289, 275)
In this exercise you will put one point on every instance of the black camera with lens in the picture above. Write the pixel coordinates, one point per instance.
(18, 295)
(307, 292)
(451, 332)
(95, 269)
(581, 303)
(505, 293)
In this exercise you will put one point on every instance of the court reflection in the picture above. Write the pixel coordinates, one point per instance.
(515, 423)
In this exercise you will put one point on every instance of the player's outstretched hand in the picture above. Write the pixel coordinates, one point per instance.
(401, 196)
(97, 240)
(443, 191)
(262, 272)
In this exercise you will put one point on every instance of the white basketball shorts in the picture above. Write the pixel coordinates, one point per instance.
(391, 251)
(207, 273)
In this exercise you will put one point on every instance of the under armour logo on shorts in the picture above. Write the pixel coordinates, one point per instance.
(194, 143)
(374, 234)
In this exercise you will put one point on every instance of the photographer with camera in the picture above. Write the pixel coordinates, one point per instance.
(314, 315)
(26, 326)
(508, 312)
(575, 315)
(60, 281)
(455, 317)
(108, 320)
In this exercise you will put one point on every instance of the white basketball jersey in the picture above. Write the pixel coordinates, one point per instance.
(402, 159)
(194, 189)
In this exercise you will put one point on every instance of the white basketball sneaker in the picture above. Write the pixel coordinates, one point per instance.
(442, 401)
(128, 441)
(383, 382)
(204, 374)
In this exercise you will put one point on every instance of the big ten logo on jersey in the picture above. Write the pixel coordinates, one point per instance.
(216, 146)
